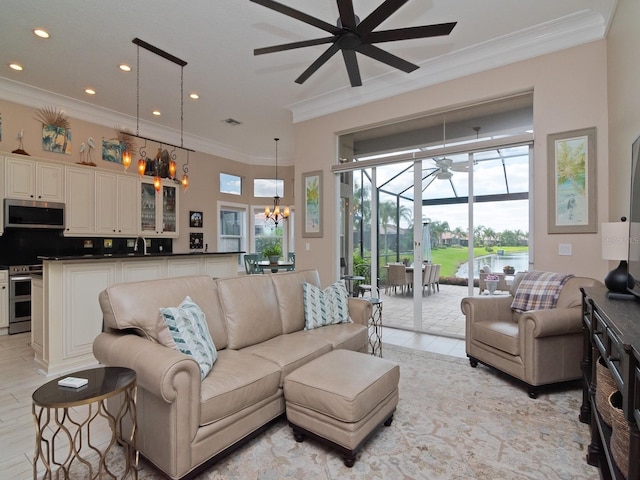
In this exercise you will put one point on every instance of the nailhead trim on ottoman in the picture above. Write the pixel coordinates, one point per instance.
(341, 398)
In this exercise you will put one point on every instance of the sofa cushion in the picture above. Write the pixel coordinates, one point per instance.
(325, 307)
(189, 332)
(290, 351)
(122, 308)
(288, 287)
(348, 336)
(236, 381)
(501, 335)
(250, 308)
(539, 291)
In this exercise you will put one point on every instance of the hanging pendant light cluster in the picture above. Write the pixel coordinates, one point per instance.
(276, 215)
(162, 155)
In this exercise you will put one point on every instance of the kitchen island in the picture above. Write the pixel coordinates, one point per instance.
(66, 316)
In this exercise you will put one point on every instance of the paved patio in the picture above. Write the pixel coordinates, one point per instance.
(441, 314)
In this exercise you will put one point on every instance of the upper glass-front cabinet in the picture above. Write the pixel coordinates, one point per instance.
(158, 211)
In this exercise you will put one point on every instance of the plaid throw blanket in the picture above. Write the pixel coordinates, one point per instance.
(538, 291)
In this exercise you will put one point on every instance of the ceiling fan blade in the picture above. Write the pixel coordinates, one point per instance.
(386, 57)
(347, 15)
(409, 33)
(290, 46)
(351, 62)
(321, 60)
(379, 15)
(298, 15)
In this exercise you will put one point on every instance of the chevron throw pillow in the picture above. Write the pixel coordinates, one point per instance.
(325, 307)
(188, 327)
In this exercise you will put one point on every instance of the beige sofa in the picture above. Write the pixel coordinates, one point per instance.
(257, 325)
(539, 347)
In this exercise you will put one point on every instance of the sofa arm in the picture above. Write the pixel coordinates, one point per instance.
(487, 308)
(160, 370)
(556, 321)
(360, 310)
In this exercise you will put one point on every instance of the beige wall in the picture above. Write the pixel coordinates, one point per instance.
(204, 169)
(570, 92)
(623, 70)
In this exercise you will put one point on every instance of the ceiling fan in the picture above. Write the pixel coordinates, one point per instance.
(351, 35)
(445, 168)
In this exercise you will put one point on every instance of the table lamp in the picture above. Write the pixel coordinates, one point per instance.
(615, 246)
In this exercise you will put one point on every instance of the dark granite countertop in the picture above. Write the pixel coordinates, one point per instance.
(133, 256)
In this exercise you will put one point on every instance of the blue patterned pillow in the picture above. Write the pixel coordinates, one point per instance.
(188, 327)
(325, 307)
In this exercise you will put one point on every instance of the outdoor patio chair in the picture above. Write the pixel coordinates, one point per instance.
(426, 278)
(397, 277)
(434, 281)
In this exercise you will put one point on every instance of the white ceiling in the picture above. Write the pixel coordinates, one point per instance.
(90, 38)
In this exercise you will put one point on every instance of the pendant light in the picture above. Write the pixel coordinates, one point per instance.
(142, 162)
(126, 159)
(276, 215)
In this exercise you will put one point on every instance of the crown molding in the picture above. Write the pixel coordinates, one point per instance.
(570, 31)
(29, 96)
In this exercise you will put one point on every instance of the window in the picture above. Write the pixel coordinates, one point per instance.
(266, 232)
(231, 184)
(232, 229)
(263, 187)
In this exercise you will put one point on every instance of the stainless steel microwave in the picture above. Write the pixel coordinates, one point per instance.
(33, 214)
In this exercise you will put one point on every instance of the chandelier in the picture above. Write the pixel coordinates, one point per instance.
(164, 163)
(276, 215)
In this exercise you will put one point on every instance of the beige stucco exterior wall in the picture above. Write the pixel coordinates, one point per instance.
(570, 92)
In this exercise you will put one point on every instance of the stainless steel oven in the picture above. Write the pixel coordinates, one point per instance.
(20, 297)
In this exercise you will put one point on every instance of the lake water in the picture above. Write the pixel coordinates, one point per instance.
(518, 260)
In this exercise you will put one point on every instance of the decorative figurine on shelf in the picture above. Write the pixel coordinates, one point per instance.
(20, 149)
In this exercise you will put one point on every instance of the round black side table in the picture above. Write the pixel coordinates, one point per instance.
(59, 423)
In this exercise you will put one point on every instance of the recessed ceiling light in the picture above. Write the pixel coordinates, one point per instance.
(156, 113)
(194, 96)
(90, 91)
(16, 66)
(41, 33)
(125, 68)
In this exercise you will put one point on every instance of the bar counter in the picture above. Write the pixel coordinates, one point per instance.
(66, 316)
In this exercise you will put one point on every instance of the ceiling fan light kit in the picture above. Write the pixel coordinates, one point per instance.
(350, 35)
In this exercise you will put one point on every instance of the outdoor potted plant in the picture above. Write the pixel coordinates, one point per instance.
(272, 251)
(406, 261)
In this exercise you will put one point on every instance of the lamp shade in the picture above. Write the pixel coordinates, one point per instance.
(615, 240)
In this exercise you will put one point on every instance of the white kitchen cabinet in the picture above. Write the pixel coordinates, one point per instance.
(80, 201)
(4, 302)
(158, 211)
(27, 179)
(115, 204)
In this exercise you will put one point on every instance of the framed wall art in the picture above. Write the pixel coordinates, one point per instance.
(195, 219)
(572, 204)
(312, 206)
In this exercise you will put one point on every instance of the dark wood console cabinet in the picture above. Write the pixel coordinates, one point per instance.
(611, 330)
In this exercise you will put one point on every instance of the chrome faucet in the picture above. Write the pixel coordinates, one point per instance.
(144, 245)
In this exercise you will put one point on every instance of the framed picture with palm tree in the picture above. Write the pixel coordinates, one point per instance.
(312, 206)
(572, 204)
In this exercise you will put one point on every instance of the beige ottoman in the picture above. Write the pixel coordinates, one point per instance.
(341, 398)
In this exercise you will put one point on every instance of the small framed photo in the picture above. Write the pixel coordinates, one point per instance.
(195, 219)
(196, 241)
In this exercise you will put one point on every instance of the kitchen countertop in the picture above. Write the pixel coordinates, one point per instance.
(108, 256)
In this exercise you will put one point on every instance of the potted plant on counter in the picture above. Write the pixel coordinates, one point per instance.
(272, 251)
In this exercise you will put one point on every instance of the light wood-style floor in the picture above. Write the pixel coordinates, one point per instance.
(19, 378)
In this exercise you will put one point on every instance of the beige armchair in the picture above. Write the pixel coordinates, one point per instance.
(538, 347)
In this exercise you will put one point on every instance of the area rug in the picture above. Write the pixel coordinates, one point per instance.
(452, 422)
